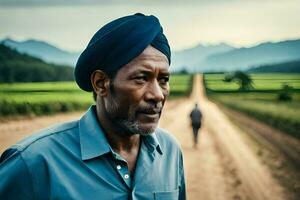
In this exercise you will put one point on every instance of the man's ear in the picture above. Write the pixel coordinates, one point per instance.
(100, 82)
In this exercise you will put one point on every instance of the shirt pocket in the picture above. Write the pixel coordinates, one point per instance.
(169, 195)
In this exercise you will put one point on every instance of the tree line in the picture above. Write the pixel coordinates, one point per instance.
(18, 67)
(286, 67)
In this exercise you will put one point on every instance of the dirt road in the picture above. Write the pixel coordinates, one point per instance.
(222, 167)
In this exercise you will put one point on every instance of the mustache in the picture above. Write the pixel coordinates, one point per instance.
(150, 109)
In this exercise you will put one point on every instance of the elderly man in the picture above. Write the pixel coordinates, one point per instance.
(115, 151)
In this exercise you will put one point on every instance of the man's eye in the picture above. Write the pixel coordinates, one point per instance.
(141, 78)
(164, 80)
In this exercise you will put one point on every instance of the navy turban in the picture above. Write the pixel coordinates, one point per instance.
(117, 43)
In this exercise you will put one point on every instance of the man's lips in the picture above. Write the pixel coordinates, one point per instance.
(152, 113)
(149, 118)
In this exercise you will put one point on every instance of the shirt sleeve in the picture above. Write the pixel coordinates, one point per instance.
(182, 189)
(15, 181)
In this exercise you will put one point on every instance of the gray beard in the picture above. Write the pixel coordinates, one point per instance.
(126, 126)
(134, 128)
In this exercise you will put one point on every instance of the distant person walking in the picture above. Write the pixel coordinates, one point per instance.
(196, 117)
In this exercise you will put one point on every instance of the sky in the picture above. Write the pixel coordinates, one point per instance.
(71, 24)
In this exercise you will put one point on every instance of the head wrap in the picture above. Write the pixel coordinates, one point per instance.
(117, 43)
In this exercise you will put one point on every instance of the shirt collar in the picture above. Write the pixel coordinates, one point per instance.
(152, 143)
(93, 142)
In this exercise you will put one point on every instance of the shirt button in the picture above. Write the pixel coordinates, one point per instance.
(119, 167)
(126, 176)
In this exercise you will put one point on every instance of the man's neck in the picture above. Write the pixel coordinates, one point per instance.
(121, 143)
(117, 138)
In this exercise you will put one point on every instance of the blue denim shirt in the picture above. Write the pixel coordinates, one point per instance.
(74, 161)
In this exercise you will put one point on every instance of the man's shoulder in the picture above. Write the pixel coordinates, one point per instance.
(42, 139)
(166, 139)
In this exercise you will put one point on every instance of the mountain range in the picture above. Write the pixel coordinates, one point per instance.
(262, 54)
(189, 59)
(223, 57)
(201, 58)
(44, 51)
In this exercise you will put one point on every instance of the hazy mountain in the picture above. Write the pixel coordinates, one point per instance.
(190, 58)
(243, 58)
(44, 51)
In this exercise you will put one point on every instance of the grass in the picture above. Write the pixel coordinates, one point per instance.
(262, 101)
(261, 82)
(180, 85)
(40, 87)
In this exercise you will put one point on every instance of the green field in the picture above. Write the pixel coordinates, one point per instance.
(180, 85)
(52, 97)
(261, 101)
(262, 82)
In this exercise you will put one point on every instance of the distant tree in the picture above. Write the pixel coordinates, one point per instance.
(183, 71)
(243, 79)
(285, 93)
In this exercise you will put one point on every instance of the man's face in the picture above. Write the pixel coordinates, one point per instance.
(137, 96)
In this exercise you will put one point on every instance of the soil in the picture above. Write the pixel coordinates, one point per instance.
(277, 150)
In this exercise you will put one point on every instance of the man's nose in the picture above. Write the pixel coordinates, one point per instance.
(154, 92)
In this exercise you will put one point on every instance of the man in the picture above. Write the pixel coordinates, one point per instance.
(196, 117)
(115, 151)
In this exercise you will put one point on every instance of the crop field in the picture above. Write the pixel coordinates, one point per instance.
(52, 97)
(180, 85)
(262, 100)
(261, 82)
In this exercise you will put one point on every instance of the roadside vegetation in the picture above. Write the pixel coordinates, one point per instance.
(273, 98)
(180, 85)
